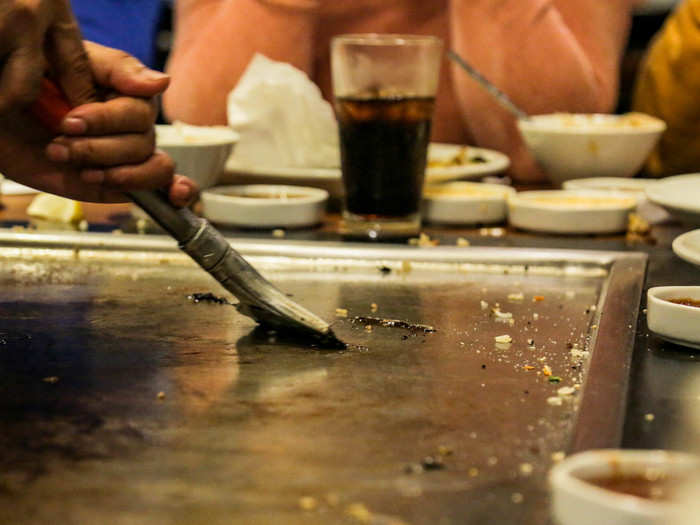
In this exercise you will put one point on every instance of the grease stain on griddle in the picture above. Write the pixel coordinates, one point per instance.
(208, 297)
(393, 323)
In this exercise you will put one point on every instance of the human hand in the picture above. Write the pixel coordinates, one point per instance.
(105, 148)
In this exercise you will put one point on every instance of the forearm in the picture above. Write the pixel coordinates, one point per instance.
(547, 55)
(215, 40)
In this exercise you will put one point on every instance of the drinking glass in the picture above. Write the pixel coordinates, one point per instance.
(384, 88)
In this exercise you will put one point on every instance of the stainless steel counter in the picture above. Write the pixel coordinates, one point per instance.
(125, 402)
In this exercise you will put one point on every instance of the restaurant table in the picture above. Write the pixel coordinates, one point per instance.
(659, 401)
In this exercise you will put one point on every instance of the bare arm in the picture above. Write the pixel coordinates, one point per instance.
(548, 55)
(215, 40)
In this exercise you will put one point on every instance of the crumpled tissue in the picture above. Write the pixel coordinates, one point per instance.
(282, 118)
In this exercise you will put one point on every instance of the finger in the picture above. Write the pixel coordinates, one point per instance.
(120, 71)
(116, 116)
(182, 191)
(21, 74)
(68, 58)
(102, 151)
(156, 172)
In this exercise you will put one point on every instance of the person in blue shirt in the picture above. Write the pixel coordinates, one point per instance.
(129, 25)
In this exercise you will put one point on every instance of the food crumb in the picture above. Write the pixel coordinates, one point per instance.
(360, 512)
(526, 469)
(516, 498)
(373, 307)
(444, 450)
(484, 305)
(566, 391)
(546, 370)
(519, 296)
(368, 328)
(341, 312)
(473, 472)
(307, 503)
(503, 338)
(558, 456)
(423, 240)
(278, 233)
(529, 367)
(461, 241)
(161, 395)
(492, 461)
(554, 401)
(535, 316)
(537, 298)
(51, 380)
(649, 417)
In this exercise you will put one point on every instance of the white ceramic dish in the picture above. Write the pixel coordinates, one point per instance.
(687, 246)
(676, 323)
(465, 203)
(264, 206)
(636, 187)
(575, 501)
(492, 162)
(679, 195)
(199, 152)
(10, 187)
(569, 211)
(575, 146)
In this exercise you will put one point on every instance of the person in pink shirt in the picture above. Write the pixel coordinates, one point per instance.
(547, 55)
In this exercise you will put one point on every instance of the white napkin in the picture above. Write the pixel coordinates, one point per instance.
(282, 118)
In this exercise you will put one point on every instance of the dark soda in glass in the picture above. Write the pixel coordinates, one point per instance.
(383, 146)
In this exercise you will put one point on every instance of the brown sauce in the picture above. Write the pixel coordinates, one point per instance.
(658, 487)
(686, 301)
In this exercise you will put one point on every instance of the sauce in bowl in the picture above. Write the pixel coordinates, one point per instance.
(685, 301)
(652, 485)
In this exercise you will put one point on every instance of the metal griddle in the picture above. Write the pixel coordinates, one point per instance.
(93, 327)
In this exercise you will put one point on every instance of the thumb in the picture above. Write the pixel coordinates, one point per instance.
(118, 70)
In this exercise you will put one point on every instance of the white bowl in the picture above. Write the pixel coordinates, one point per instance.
(570, 211)
(674, 322)
(574, 146)
(264, 205)
(465, 203)
(687, 246)
(576, 501)
(679, 195)
(199, 152)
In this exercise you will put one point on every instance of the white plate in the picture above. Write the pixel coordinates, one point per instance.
(264, 205)
(687, 246)
(679, 195)
(570, 211)
(329, 178)
(465, 202)
(676, 323)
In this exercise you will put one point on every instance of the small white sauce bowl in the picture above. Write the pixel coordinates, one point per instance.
(264, 205)
(465, 203)
(576, 501)
(570, 211)
(677, 323)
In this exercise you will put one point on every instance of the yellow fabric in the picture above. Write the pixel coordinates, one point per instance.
(668, 86)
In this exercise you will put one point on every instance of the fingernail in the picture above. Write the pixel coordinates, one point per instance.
(57, 152)
(152, 75)
(74, 126)
(92, 176)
